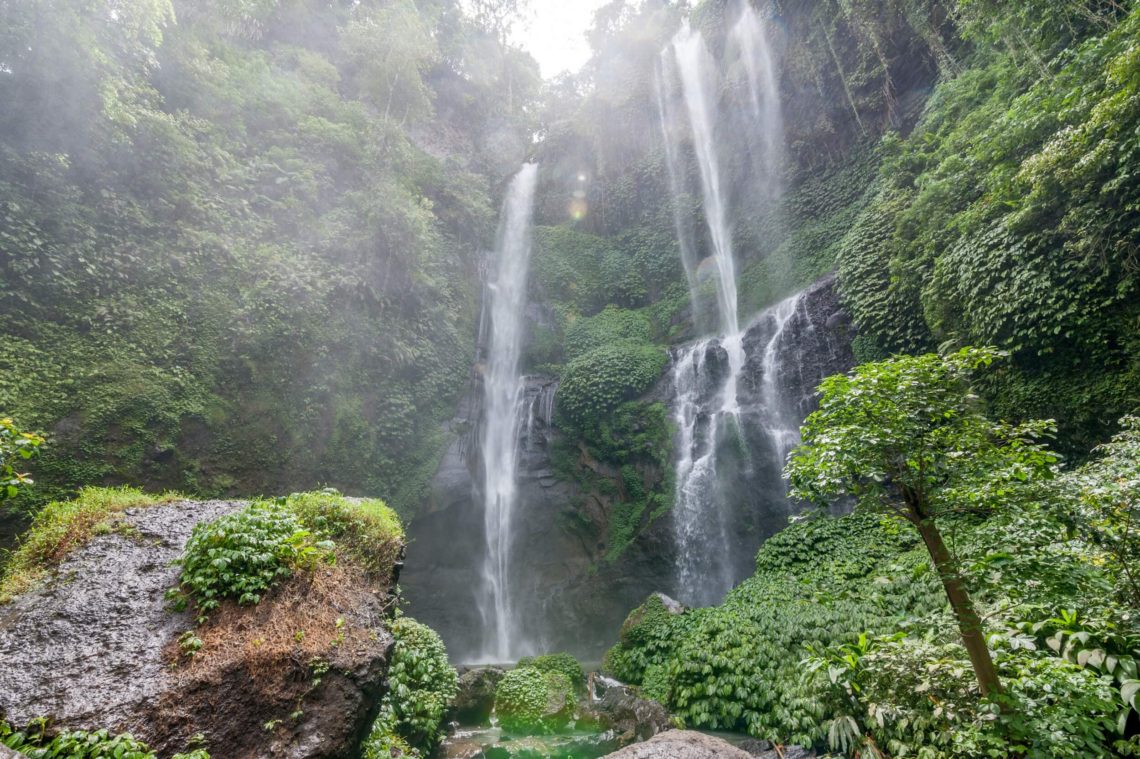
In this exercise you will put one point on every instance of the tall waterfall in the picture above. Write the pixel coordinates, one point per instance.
(503, 411)
(706, 376)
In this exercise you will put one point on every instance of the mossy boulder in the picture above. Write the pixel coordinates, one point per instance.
(560, 662)
(529, 700)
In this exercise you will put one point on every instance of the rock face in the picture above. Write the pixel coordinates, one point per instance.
(628, 716)
(681, 744)
(566, 595)
(96, 647)
(475, 700)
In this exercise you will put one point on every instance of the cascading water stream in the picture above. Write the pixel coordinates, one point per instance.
(704, 418)
(750, 39)
(502, 411)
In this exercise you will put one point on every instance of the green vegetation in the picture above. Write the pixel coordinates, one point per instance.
(560, 662)
(81, 744)
(227, 231)
(62, 526)
(594, 384)
(16, 447)
(530, 700)
(365, 528)
(905, 435)
(1008, 217)
(844, 637)
(242, 555)
(421, 685)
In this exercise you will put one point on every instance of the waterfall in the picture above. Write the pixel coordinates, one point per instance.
(503, 408)
(706, 376)
(704, 571)
(699, 82)
(750, 40)
(781, 416)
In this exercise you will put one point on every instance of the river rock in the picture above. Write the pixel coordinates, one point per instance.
(93, 647)
(476, 697)
(681, 744)
(630, 717)
(786, 752)
(755, 746)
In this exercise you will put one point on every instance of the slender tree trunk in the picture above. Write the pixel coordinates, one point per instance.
(969, 623)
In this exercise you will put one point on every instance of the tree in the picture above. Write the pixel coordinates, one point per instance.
(496, 17)
(906, 435)
(15, 446)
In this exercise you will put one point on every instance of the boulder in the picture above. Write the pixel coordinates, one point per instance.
(96, 646)
(630, 717)
(754, 746)
(681, 744)
(476, 697)
(787, 752)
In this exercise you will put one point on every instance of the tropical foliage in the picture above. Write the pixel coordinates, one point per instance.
(421, 684)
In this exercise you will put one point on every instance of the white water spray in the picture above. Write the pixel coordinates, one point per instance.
(502, 412)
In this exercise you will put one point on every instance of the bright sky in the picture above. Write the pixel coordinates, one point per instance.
(554, 32)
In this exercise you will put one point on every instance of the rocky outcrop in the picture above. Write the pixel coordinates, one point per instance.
(629, 717)
(97, 647)
(681, 744)
(569, 597)
(475, 700)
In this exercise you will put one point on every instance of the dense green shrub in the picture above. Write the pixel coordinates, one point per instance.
(242, 555)
(595, 383)
(648, 638)
(584, 271)
(81, 744)
(528, 700)
(611, 325)
(421, 685)
(1008, 218)
(560, 662)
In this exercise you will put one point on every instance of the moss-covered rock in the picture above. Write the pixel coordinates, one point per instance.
(529, 700)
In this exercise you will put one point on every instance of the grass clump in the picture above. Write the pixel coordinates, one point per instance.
(62, 526)
(242, 555)
(366, 528)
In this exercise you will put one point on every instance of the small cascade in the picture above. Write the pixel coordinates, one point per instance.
(707, 376)
(704, 572)
(504, 409)
(781, 416)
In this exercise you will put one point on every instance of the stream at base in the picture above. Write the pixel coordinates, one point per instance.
(495, 743)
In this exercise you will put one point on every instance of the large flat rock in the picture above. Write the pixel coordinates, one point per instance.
(681, 744)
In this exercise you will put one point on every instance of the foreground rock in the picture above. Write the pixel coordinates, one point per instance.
(626, 715)
(298, 675)
(681, 744)
(476, 697)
